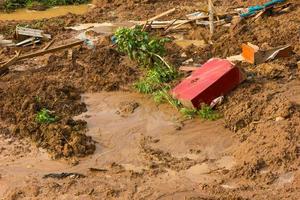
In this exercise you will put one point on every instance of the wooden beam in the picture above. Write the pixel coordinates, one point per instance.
(158, 16)
(162, 15)
(43, 52)
(211, 17)
(5, 67)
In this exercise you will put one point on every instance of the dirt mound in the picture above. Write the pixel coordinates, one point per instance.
(57, 86)
(266, 119)
(21, 102)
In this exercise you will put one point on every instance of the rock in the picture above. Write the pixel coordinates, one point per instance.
(188, 61)
(279, 119)
(183, 55)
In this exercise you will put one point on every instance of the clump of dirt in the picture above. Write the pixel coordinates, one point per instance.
(127, 108)
(21, 102)
(161, 160)
(57, 86)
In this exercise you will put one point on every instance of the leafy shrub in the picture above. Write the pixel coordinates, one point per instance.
(148, 52)
(139, 46)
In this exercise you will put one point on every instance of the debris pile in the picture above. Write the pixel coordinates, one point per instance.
(229, 60)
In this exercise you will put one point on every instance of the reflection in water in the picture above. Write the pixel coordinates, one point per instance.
(25, 14)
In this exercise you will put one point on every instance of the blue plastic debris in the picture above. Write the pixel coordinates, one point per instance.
(114, 39)
(252, 10)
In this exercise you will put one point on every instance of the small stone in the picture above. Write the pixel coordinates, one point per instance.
(183, 55)
(29, 166)
(279, 119)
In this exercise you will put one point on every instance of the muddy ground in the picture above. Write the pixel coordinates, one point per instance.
(140, 150)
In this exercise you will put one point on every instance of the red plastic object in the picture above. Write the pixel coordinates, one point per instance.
(215, 78)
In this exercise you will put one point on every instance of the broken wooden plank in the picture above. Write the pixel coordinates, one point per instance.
(162, 14)
(6, 43)
(157, 16)
(254, 55)
(188, 68)
(43, 52)
(32, 32)
(4, 67)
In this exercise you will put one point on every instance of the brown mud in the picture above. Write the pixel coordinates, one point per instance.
(143, 150)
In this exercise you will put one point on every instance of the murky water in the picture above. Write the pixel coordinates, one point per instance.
(25, 14)
(118, 140)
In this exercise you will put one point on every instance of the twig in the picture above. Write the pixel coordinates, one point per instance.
(158, 16)
(171, 24)
(163, 61)
(4, 67)
(145, 25)
(49, 44)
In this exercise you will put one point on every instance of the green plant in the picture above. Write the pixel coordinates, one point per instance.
(163, 96)
(155, 78)
(148, 52)
(189, 112)
(206, 112)
(45, 116)
(140, 46)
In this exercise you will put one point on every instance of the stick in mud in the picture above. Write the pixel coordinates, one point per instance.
(63, 175)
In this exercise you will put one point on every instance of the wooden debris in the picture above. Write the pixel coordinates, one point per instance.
(5, 43)
(211, 17)
(49, 44)
(32, 32)
(252, 53)
(4, 68)
(188, 68)
(157, 17)
(43, 52)
(162, 15)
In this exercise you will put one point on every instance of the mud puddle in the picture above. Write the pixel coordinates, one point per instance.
(25, 14)
(118, 122)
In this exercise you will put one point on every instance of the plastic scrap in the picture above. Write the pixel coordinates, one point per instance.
(252, 10)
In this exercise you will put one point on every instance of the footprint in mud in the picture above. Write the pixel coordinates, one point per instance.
(127, 108)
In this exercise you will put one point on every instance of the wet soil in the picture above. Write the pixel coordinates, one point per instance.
(142, 150)
(146, 143)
